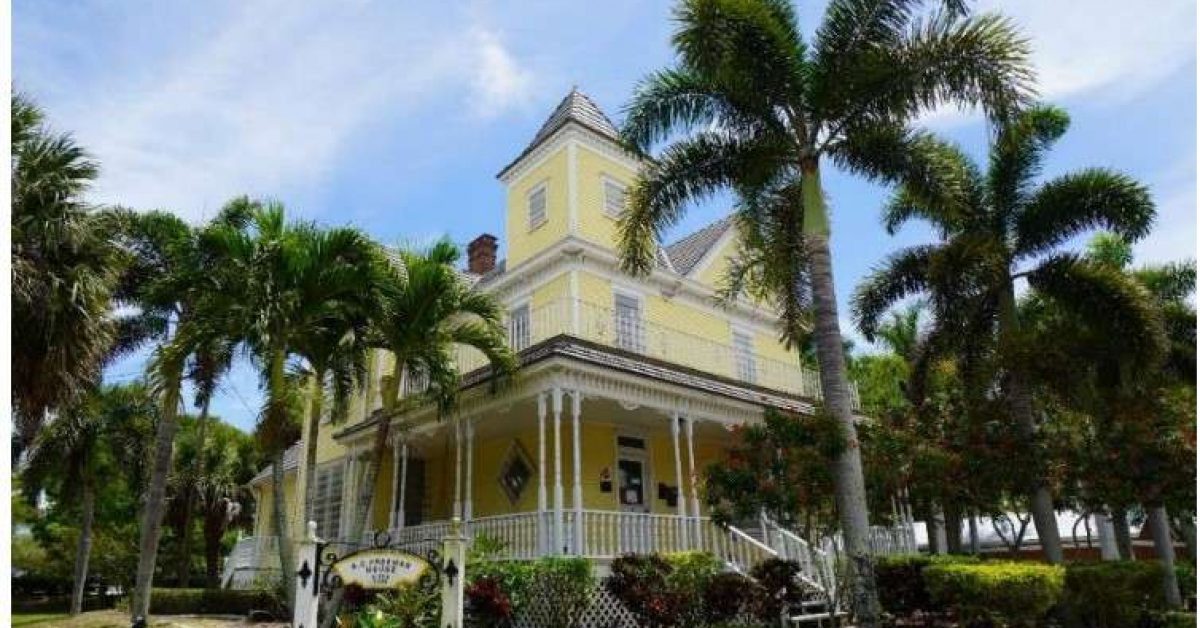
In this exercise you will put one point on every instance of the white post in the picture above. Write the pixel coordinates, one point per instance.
(396, 507)
(454, 555)
(680, 496)
(558, 487)
(469, 508)
(577, 489)
(403, 484)
(304, 613)
(458, 468)
(541, 520)
(691, 442)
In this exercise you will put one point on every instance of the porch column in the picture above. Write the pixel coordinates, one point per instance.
(469, 507)
(577, 489)
(692, 473)
(680, 497)
(403, 484)
(458, 468)
(395, 482)
(349, 496)
(558, 487)
(541, 520)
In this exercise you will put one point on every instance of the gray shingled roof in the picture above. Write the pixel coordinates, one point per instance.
(686, 252)
(575, 107)
(291, 460)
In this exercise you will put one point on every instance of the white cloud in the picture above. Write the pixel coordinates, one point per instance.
(269, 99)
(499, 81)
(1113, 49)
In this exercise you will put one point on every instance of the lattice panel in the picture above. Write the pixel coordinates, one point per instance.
(603, 611)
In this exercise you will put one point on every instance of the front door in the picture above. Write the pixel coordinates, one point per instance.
(633, 479)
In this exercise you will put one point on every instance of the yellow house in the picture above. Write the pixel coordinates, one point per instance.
(628, 387)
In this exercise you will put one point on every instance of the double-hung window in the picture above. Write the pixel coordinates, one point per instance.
(537, 206)
(518, 328)
(627, 319)
(743, 356)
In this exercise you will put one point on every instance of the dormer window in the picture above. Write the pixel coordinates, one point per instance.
(537, 206)
(614, 197)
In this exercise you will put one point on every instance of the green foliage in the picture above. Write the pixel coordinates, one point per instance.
(781, 466)
(901, 581)
(1118, 593)
(1001, 594)
(214, 602)
(556, 587)
(1176, 619)
(416, 605)
(563, 586)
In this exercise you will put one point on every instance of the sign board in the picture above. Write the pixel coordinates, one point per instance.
(381, 569)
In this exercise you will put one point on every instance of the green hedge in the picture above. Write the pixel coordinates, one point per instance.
(1113, 594)
(1179, 620)
(996, 593)
(901, 584)
(213, 602)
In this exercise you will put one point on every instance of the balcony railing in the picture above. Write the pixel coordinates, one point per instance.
(631, 332)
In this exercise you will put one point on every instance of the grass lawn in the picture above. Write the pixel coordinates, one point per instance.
(35, 618)
(119, 619)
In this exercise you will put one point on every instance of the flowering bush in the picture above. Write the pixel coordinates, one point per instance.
(487, 604)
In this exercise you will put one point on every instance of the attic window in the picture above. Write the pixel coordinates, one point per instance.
(537, 206)
(614, 198)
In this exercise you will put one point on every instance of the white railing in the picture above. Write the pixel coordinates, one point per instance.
(738, 549)
(600, 324)
(609, 533)
(251, 558)
(518, 533)
(882, 540)
(816, 565)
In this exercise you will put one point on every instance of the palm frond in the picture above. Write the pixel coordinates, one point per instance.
(1094, 198)
(902, 274)
(1017, 153)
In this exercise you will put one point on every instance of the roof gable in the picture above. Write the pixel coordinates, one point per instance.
(689, 250)
(575, 107)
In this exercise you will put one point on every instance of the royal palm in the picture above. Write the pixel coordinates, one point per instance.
(996, 226)
(750, 105)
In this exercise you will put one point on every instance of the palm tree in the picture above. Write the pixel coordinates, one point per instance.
(81, 448)
(429, 309)
(1132, 395)
(173, 272)
(753, 107)
(997, 227)
(288, 283)
(65, 267)
(230, 461)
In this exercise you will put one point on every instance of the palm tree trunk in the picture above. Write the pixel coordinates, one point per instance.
(1187, 531)
(184, 565)
(954, 530)
(277, 415)
(1120, 520)
(849, 487)
(279, 524)
(366, 491)
(973, 527)
(1020, 398)
(214, 528)
(84, 551)
(156, 497)
(936, 529)
(1164, 548)
(310, 449)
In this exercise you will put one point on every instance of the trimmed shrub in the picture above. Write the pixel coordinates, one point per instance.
(1178, 619)
(727, 597)
(683, 589)
(213, 602)
(777, 590)
(1113, 594)
(900, 583)
(639, 581)
(1001, 594)
(561, 589)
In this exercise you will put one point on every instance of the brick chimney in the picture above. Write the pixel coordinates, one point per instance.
(481, 254)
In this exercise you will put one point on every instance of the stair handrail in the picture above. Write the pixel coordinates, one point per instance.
(816, 565)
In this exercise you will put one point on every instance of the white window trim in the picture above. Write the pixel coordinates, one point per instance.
(647, 457)
(605, 180)
(639, 299)
(543, 188)
(736, 330)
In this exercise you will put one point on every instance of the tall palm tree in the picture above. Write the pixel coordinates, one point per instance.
(997, 226)
(174, 271)
(65, 268)
(82, 448)
(428, 310)
(752, 106)
(288, 283)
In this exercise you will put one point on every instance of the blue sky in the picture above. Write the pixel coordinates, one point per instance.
(395, 117)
